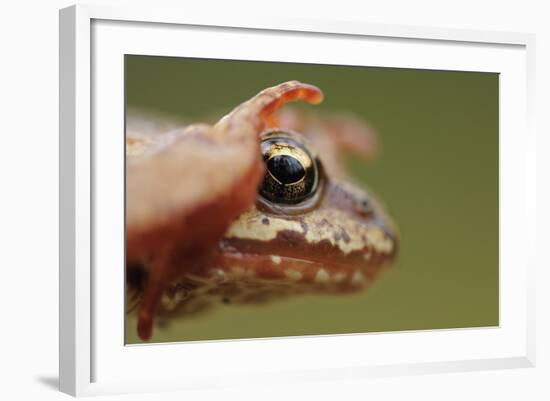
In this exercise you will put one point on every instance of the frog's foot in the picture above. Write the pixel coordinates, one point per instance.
(258, 113)
(352, 135)
(333, 135)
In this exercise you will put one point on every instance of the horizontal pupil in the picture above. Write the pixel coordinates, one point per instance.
(286, 169)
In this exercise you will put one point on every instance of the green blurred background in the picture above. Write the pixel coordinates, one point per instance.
(437, 174)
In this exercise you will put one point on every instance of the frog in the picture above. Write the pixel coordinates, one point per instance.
(250, 209)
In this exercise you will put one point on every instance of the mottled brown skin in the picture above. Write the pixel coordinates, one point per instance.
(184, 188)
(339, 245)
(342, 223)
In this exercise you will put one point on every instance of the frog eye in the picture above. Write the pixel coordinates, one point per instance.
(292, 172)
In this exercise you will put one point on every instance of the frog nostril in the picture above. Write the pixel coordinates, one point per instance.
(364, 207)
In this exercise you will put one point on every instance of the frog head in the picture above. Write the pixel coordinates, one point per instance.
(306, 227)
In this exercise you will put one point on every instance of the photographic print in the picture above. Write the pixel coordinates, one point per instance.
(268, 199)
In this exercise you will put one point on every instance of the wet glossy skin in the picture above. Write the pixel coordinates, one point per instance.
(239, 238)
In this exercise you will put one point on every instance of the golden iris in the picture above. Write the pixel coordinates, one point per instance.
(292, 173)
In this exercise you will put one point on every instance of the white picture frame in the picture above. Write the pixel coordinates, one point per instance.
(93, 358)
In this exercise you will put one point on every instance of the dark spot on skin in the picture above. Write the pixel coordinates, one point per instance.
(291, 238)
(304, 226)
(265, 221)
(362, 207)
(345, 236)
(336, 237)
(226, 300)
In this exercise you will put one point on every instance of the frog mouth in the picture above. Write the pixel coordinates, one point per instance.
(345, 272)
